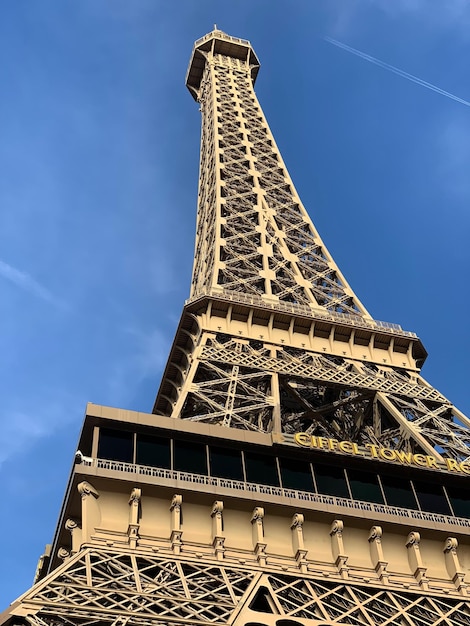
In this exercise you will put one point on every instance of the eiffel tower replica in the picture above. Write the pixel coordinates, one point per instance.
(296, 469)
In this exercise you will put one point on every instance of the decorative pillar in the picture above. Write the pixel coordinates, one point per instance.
(454, 569)
(176, 531)
(134, 516)
(376, 553)
(414, 559)
(91, 514)
(337, 547)
(259, 542)
(218, 538)
(298, 541)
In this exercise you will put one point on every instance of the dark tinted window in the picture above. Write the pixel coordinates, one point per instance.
(115, 445)
(226, 463)
(365, 486)
(296, 475)
(398, 492)
(460, 501)
(331, 481)
(431, 498)
(190, 457)
(261, 469)
(154, 451)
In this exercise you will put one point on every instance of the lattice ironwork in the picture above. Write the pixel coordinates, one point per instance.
(344, 603)
(256, 247)
(98, 588)
(256, 244)
(253, 234)
(242, 384)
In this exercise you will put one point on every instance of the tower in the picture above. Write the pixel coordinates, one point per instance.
(296, 469)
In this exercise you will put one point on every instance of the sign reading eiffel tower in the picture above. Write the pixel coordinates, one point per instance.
(296, 470)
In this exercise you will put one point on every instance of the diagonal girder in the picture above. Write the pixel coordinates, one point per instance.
(245, 383)
(210, 592)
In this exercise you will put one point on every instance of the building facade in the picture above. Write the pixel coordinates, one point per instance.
(296, 469)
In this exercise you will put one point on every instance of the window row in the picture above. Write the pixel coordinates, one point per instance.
(253, 467)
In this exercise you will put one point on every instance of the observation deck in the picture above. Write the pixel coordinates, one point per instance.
(218, 42)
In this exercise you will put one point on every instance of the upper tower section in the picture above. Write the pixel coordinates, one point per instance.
(218, 43)
(254, 239)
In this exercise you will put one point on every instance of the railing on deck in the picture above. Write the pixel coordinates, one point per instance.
(306, 496)
(301, 309)
(221, 35)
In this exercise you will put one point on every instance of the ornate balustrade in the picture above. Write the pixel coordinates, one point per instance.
(300, 309)
(294, 494)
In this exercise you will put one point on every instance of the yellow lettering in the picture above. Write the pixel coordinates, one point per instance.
(404, 457)
(346, 446)
(452, 465)
(302, 439)
(387, 454)
(465, 467)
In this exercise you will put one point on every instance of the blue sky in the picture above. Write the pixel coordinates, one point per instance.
(98, 183)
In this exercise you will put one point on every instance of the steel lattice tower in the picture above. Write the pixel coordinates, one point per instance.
(296, 470)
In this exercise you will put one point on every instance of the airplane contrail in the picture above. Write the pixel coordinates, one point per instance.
(396, 70)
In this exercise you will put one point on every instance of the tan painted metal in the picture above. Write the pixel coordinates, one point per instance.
(272, 342)
(272, 329)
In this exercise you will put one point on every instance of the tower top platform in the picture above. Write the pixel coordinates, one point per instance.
(218, 42)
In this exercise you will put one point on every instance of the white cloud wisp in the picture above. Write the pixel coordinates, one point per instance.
(28, 283)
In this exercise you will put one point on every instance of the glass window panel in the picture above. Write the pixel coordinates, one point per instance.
(431, 497)
(364, 486)
(190, 457)
(116, 445)
(296, 475)
(331, 480)
(226, 463)
(460, 501)
(261, 469)
(398, 492)
(153, 451)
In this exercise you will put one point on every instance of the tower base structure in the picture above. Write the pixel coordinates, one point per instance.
(296, 470)
(144, 544)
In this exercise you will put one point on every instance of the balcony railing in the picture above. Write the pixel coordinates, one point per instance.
(295, 494)
(356, 321)
(221, 35)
